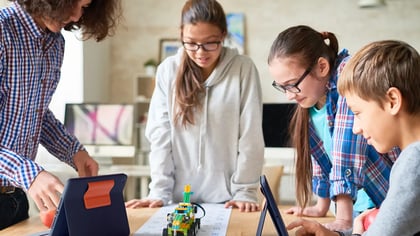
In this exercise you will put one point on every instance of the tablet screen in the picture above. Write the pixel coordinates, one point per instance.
(271, 206)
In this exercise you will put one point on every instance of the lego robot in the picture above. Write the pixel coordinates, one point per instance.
(182, 221)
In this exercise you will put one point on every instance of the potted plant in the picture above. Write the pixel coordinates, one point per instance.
(150, 67)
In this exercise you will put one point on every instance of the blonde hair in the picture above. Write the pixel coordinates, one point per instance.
(379, 66)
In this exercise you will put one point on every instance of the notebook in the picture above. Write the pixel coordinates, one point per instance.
(271, 206)
(92, 206)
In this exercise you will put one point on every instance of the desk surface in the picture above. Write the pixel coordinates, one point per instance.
(240, 223)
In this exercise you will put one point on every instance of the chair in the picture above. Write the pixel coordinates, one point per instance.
(273, 174)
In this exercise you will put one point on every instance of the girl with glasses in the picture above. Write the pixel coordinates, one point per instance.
(205, 118)
(331, 161)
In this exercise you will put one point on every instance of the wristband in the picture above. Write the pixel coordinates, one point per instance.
(356, 235)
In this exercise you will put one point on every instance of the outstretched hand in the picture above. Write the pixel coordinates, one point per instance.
(310, 227)
(45, 190)
(243, 206)
(139, 203)
(85, 164)
(308, 211)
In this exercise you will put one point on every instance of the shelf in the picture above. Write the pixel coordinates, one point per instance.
(141, 99)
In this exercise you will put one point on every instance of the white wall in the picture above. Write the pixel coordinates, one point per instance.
(96, 71)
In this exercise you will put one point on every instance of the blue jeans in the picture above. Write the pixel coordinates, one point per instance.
(14, 208)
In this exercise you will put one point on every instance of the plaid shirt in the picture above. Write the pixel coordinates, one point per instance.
(29, 74)
(355, 163)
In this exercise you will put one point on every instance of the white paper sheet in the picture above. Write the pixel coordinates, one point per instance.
(214, 223)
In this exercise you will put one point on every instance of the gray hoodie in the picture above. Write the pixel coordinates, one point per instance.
(222, 154)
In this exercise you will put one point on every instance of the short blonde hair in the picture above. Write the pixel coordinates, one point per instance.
(379, 66)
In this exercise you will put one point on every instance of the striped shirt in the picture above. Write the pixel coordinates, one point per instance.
(355, 163)
(29, 73)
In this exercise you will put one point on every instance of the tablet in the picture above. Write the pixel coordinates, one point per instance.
(92, 206)
(271, 206)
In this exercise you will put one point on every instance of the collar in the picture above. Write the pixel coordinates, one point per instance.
(27, 21)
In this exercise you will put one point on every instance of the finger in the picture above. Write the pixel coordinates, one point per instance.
(127, 205)
(48, 202)
(297, 213)
(131, 203)
(138, 204)
(289, 211)
(229, 204)
(301, 232)
(157, 203)
(55, 198)
(295, 224)
(40, 204)
(250, 207)
(255, 207)
(242, 206)
(82, 172)
(92, 169)
(59, 187)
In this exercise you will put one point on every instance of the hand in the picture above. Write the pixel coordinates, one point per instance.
(339, 225)
(138, 203)
(243, 206)
(309, 227)
(308, 211)
(86, 165)
(45, 190)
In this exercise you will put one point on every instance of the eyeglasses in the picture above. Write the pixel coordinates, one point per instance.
(210, 46)
(292, 88)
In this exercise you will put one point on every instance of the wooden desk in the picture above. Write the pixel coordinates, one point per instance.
(240, 223)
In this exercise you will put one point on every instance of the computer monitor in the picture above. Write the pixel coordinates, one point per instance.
(276, 120)
(106, 130)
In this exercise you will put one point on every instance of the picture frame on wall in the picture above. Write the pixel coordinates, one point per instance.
(168, 47)
(236, 31)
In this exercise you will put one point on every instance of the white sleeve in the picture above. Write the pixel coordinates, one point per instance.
(158, 132)
(245, 180)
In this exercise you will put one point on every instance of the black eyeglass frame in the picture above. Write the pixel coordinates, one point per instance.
(293, 88)
(202, 45)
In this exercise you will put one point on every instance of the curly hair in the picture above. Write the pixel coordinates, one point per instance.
(98, 21)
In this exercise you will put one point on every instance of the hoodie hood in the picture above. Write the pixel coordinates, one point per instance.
(226, 57)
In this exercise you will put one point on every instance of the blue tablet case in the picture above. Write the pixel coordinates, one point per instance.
(271, 206)
(92, 206)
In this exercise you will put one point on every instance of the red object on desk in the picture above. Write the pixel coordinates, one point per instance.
(47, 217)
(370, 218)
